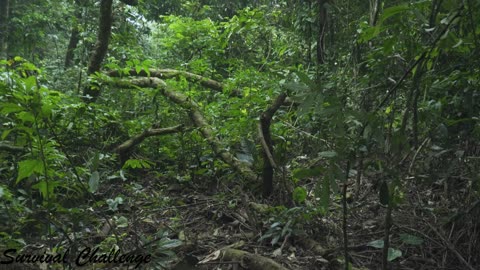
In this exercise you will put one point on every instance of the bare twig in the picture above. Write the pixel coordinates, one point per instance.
(451, 247)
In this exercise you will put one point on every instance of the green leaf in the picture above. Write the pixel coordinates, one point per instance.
(43, 188)
(46, 188)
(328, 154)
(388, 110)
(369, 33)
(113, 204)
(26, 117)
(299, 194)
(411, 239)
(30, 83)
(170, 243)
(132, 163)
(304, 173)
(384, 193)
(276, 224)
(5, 133)
(28, 167)
(122, 222)
(376, 243)
(94, 182)
(10, 107)
(296, 87)
(389, 12)
(393, 254)
(304, 78)
(95, 162)
(137, 164)
(147, 70)
(47, 109)
(138, 69)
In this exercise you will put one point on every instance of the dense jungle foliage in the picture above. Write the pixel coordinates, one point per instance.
(252, 134)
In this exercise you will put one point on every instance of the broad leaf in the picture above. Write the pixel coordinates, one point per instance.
(389, 12)
(28, 167)
(393, 254)
(10, 107)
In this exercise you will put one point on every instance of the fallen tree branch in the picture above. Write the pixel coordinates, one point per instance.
(125, 148)
(246, 260)
(135, 140)
(10, 148)
(197, 118)
(191, 77)
(173, 73)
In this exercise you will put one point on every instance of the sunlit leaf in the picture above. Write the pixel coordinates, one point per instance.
(299, 194)
(304, 173)
(10, 107)
(28, 167)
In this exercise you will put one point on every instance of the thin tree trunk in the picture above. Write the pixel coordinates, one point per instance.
(345, 217)
(436, 4)
(309, 37)
(4, 11)
(415, 118)
(101, 47)
(322, 18)
(375, 6)
(367, 99)
(267, 147)
(74, 35)
(386, 236)
(415, 92)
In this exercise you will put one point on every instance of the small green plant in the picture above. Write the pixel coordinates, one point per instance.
(285, 224)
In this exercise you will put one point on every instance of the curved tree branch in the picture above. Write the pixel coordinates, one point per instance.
(124, 149)
(197, 118)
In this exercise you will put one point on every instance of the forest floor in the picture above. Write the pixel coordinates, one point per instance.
(431, 229)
